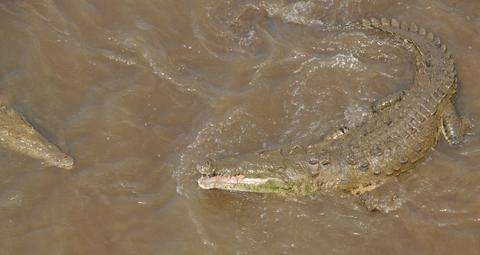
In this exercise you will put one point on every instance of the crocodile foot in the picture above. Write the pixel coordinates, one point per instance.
(385, 198)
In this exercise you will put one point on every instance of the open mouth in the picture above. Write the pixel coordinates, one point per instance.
(232, 178)
(241, 183)
(219, 181)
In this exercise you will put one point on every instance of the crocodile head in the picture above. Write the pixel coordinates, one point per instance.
(263, 172)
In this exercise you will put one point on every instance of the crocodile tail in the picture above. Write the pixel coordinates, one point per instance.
(435, 65)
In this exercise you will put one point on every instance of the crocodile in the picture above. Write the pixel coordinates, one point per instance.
(402, 130)
(18, 135)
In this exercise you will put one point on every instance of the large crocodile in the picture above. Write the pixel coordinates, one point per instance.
(402, 130)
(18, 135)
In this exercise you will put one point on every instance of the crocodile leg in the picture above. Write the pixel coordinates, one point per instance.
(377, 106)
(387, 101)
(384, 198)
(452, 125)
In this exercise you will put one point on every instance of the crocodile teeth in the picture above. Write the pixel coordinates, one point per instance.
(385, 22)
(413, 27)
(404, 25)
(375, 22)
(395, 23)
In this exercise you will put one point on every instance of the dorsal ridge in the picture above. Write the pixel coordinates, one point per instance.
(436, 75)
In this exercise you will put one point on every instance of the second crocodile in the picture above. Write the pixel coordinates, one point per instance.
(18, 135)
(402, 130)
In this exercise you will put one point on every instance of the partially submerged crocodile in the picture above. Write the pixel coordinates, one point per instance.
(402, 130)
(18, 135)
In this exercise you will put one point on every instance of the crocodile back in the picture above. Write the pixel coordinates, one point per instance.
(395, 139)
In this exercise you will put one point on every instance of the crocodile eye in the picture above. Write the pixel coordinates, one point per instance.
(206, 167)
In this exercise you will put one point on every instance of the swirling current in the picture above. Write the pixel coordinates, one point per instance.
(141, 91)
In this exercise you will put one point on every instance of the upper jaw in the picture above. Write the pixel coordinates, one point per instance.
(226, 182)
(218, 181)
(240, 174)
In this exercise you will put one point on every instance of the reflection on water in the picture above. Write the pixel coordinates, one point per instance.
(140, 91)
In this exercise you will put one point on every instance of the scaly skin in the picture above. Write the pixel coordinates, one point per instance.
(18, 135)
(403, 129)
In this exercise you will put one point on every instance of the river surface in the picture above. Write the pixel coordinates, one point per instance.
(139, 92)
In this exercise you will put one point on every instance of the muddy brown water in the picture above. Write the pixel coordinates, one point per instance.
(139, 91)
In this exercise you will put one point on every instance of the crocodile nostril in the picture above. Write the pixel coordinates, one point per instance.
(206, 167)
